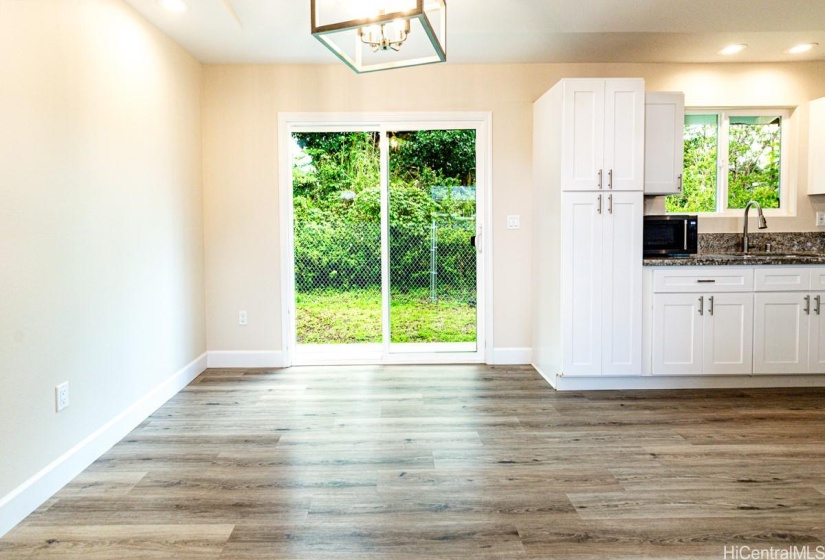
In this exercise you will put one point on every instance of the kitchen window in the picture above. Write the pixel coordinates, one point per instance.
(731, 158)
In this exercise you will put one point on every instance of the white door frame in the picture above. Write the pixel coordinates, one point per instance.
(384, 122)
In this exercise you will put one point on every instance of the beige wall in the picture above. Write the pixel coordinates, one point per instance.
(241, 105)
(101, 231)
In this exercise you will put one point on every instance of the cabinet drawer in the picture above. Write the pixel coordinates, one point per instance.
(703, 279)
(783, 279)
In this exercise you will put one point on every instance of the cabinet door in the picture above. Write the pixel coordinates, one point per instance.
(582, 224)
(728, 334)
(677, 334)
(622, 286)
(582, 158)
(816, 147)
(624, 129)
(664, 142)
(816, 334)
(780, 332)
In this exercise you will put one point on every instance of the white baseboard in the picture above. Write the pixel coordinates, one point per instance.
(240, 359)
(551, 379)
(613, 383)
(510, 356)
(20, 502)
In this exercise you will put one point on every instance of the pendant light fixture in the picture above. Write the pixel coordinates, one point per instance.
(371, 35)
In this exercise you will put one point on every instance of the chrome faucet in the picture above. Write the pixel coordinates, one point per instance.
(762, 223)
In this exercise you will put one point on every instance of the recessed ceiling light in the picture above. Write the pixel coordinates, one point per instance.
(733, 49)
(176, 6)
(799, 49)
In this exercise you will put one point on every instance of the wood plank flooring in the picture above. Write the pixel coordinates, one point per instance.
(444, 462)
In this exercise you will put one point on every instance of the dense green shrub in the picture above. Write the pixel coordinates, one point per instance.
(336, 202)
(337, 255)
(348, 255)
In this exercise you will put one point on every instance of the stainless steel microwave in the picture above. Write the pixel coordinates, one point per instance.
(671, 235)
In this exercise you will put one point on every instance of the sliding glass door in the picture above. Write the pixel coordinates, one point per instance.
(384, 230)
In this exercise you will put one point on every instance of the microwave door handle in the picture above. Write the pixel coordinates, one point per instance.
(686, 236)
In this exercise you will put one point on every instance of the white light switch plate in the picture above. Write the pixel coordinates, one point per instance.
(820, 218)
(514, 221)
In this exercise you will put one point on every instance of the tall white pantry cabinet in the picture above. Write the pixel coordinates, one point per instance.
(588, 163)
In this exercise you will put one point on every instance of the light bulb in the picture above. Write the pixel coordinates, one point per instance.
(733, 49)
(799, 49)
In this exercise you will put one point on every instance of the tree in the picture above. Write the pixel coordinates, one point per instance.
(753, 166)
(699, 175)
(339, 176)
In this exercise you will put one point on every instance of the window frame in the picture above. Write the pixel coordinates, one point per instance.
(787, 190)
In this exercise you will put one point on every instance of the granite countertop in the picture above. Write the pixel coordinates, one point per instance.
(778, 248)
(740, 259)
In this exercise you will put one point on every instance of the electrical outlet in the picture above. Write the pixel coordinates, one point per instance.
(820, 218)
(514, 221)
(242, 318)
(61, 396)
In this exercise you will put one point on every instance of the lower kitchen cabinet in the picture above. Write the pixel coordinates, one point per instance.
(789, 335)
(702, 333)
(602, 283)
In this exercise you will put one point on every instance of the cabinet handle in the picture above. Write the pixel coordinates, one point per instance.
(807, 305)
(679, 187)
(818, 300)
(599, 209)
(701, 305)
(711, 305)
(610, 204)
(701, 281)
(600, 179)
(610, 179)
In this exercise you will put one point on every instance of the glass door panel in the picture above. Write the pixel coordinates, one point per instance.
(336, 198)
(431, 230)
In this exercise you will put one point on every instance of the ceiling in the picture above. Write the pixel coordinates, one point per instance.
(513, 31)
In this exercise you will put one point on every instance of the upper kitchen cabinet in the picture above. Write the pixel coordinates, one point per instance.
(602, 134)
(816, 147)
(664, 142)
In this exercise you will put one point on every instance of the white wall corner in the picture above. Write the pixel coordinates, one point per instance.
(20, 502)
(239, 359)
(510, 357)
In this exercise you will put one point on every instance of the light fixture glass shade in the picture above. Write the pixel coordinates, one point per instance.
(371, 35)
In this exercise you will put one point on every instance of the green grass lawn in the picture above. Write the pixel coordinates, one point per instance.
(354, 316)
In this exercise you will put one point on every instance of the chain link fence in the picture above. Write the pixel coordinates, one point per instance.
(432, 265)
(438, 258)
